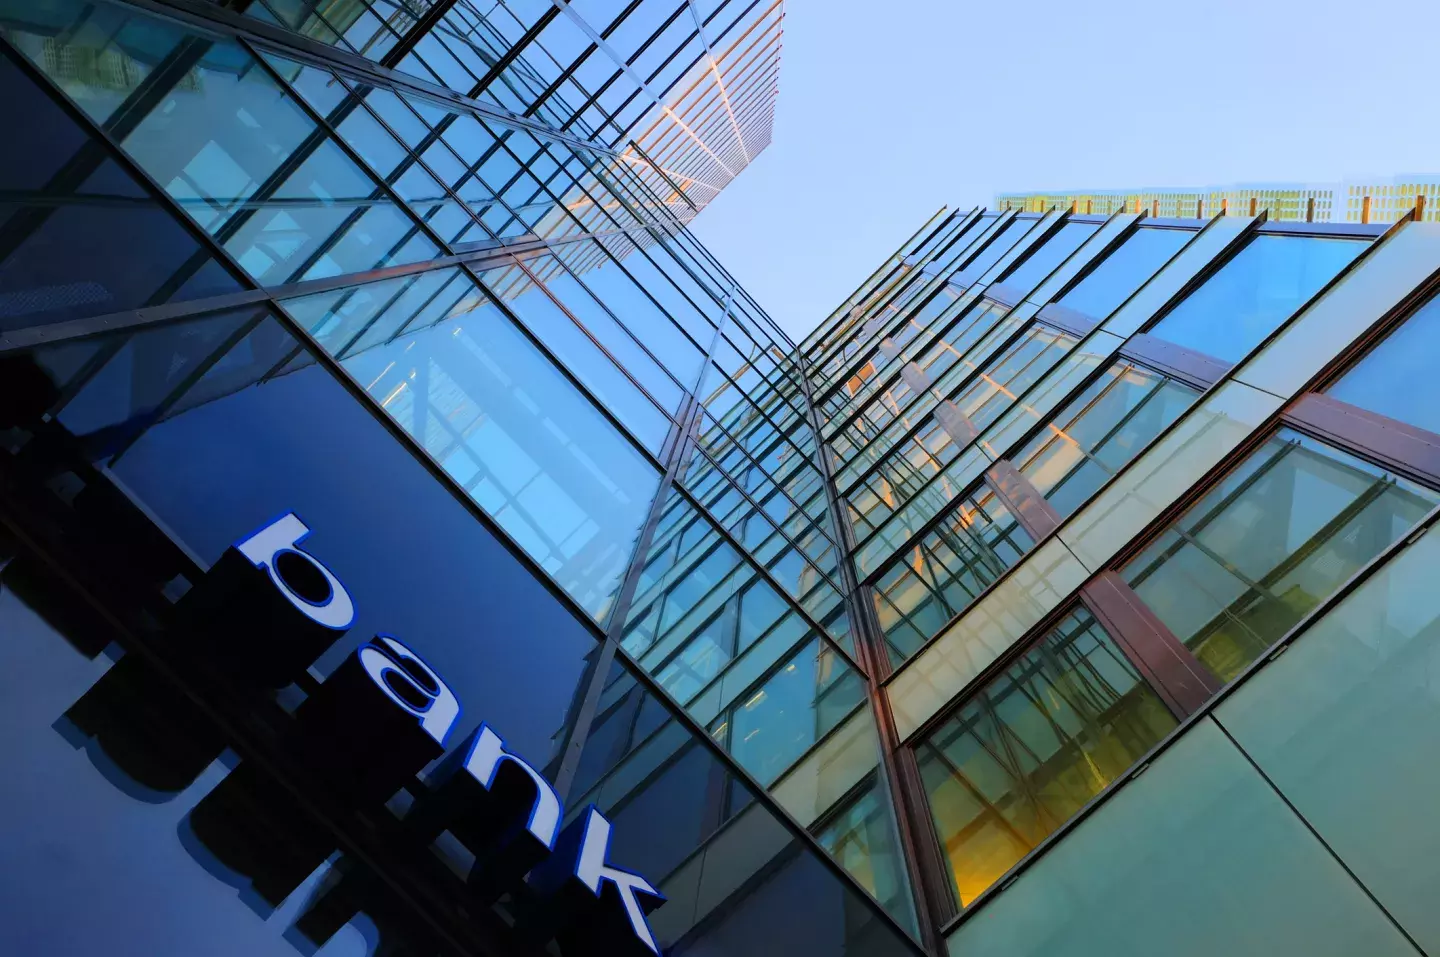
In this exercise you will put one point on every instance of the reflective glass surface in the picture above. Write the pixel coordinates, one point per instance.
(524, 443)
(1340, 722)
(944, 572)
(1100, 432)
(1199, 853)
(1123, 271)
(1030, 749)
(788, 712)
(81, 236)
(1043, 261)
(991, 254)
(582, 355)
(1273, 538)
(1254, 293)
(209, 124)
(861, 837)
(1397, 378)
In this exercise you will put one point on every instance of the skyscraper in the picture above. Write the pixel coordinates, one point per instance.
(1099, 473)
(415, 542)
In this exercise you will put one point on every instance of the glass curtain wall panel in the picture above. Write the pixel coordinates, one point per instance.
(1272, 539)
(1031, 748)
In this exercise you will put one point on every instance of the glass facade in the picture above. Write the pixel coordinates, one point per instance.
(1093, 491)
(1062, 591)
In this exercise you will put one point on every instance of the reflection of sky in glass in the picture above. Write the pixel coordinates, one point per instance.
(1254, 293)
(524, 443)
(1398, 378)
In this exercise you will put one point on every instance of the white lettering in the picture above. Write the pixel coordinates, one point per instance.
(283, 536)
(483, 762)
(591, 869)
(435, 706)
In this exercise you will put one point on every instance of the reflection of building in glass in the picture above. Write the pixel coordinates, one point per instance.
(1065, 591)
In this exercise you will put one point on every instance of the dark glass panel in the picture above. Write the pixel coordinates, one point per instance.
(78, 236)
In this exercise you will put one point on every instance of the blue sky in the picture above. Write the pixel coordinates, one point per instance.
(889, 111)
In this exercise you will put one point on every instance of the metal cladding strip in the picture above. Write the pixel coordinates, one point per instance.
(1193, 368)
(955, 423)
(1382, 281)
(1036, 403)
(915, 378)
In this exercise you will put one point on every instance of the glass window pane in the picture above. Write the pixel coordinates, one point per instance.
(80, 236)
(861, 837)
(521, 440)
(783, 717)
(1043, 261)
(1033, 747)
(549, 323)
(1343, 722)
(1254, 293)
(1196, 857)
(1100, 432)
(621, 343)
(947, 570)
(353, 318)
(230, 146)
(1274, 537)
(1124, 270)
(1397, 378)
(992, 253)
(639, 313)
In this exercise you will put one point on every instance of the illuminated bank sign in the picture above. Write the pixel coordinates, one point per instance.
(489, 797)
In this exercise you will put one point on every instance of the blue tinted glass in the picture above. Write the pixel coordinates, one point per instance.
(76, 831)
(991, 254)
(633, 307)
(1124, 271)
(353, 318)
(780, 720)
(1056, 250)
(1200, 853)
(1341, 723)
(620, 341)
(689, 823)
(192, 420)
(523, 442)
(82, 238)
(861, 836)
(1398, 377)
(580, 354)
(1254, 293)
(226, 143)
